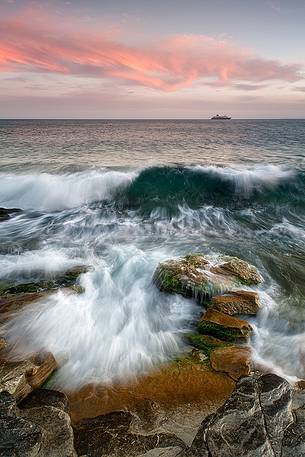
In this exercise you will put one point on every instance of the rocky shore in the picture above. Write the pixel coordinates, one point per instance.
(208, 402)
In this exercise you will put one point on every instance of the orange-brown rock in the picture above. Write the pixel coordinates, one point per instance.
(2, 343)
(237, 302)
(223, 326)
(242, 270)
(234, 360)
(20, 378)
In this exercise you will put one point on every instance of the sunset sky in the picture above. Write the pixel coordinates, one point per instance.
(152, 59)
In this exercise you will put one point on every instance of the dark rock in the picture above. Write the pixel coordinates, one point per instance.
(6, 212)
(255, 421)
(43, 431)
(109, 435)
(45, 397)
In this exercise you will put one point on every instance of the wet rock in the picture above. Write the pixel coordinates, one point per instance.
(243, 271)
(255, 421)
(45, 397)
(43, 431)
(236, 302)
(206, 343)
(2, 343)
(67, 279)
(12, 303)
(5, 213)
(172, 451)
(20, 378)
(234, 360)
(109, 435)
(223, 326)
(199, 277)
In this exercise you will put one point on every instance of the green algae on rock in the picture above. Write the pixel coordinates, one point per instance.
(66, 279)
(200, 277)
(223, 326)
(206, 343)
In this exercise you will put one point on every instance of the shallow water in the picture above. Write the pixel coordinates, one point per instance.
(122, 195)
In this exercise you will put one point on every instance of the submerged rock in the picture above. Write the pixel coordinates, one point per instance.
(256, 421)
(20, 378)
(40, 431)
(234, 360)
(199, 277)
(236, 302)
(223, 326)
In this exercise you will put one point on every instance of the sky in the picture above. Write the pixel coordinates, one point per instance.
(152, 59)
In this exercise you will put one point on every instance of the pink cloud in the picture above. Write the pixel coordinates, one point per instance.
(169, 65)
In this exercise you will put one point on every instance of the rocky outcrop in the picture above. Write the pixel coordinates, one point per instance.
(20, 378)
(223, 326)
(201, 277)
(236, 302)
(256, 421)
(37, 431)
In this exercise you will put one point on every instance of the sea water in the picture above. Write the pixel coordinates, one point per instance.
(121, 196)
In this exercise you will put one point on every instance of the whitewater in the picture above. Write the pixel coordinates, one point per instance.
(121, 220)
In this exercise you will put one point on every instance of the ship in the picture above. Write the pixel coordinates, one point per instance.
(220, 117)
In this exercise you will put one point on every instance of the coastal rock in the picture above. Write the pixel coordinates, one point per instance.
(236, 302)
(242, 270)
(41, 431)
(11, 304)
(223, 326)
(200, 277)
(206, 343)
(109, 435)
(6, 212)
(66, 279)
(20, 378)
(45, 397)
(255, 421)
(2, 343)
(234, 360)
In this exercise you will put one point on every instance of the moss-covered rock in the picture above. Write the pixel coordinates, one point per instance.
(67, 279)
(206, 343)
(224, 327)
(201, 277)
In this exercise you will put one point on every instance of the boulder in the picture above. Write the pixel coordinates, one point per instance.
(20, 378)
(206, 343)
(201, 277)
(234, 360)
(42, 431)
(255, 421)
(236, 302)
(223, 326)
(243, 271)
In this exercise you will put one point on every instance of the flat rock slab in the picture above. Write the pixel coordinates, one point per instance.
(236, 302)
(223, 326)
(20, 378)
(242, 270)
(234, 360)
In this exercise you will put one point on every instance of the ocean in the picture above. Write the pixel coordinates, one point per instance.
(120, 196)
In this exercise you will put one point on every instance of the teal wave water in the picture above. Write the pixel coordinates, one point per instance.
(122, 196)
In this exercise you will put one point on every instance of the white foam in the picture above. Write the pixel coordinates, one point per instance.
(247, 179)
(48, 192)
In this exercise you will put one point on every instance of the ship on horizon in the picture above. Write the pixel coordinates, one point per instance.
(221, 117)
